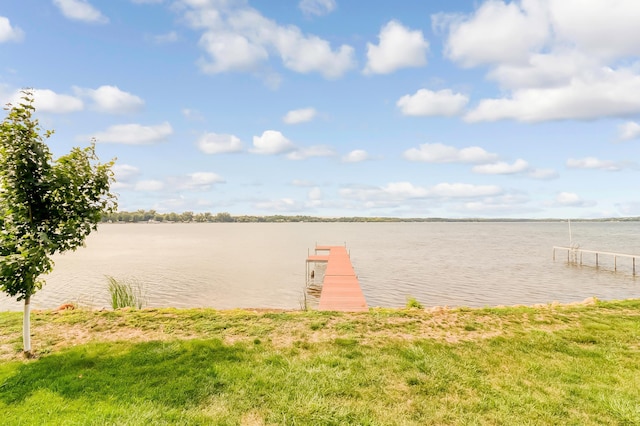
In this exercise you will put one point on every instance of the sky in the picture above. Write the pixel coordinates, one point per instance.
(455, 109)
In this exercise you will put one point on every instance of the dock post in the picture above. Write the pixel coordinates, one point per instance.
(596, 260)
(615, 264)
(634, 266)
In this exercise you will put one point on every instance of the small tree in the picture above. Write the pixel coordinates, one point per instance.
(46, 206)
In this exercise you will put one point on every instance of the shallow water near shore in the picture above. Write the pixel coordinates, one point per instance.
(262, 265)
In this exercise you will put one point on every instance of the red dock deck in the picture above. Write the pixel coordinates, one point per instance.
(340, 288)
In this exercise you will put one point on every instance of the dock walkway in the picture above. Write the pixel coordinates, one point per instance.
(340, 287)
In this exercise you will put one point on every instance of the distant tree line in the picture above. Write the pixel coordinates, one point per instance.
(225, 217)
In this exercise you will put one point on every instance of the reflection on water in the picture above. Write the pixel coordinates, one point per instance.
(262, 265)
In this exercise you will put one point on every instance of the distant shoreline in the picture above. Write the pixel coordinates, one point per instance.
(151, 216)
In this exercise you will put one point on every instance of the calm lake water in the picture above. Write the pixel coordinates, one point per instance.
(262, 265)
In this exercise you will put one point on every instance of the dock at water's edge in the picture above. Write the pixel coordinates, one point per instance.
(340, 287)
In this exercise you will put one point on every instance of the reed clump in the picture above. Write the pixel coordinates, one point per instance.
(126, 294)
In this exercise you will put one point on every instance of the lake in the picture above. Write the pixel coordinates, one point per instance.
(262, 265)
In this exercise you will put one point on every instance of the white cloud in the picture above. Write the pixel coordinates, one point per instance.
(440, 153)
(399, 47)
(502, 168)
(192, 114)
(271, 142)
(629, 130)
(604, 94)
(572, 200)
(80, 10)
(594, 163)
(239, 38)
(134, 134)
(542, 174)
(463, 190)
(554, 63)
(9, 32)
(601, 27)
(356, 156)
(401, 191)
(317, 7)
(147, 1)
(214, 143)
(170, 37)
(311, 151)
(202, 180)
(230, 52)
(112, 100)
(125, 172)
(495, 33)
(45, 100)
(149, 185)
(300, 115)
(428, 103)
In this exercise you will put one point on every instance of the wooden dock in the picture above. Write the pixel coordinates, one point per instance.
(340, 287)
(575, 256)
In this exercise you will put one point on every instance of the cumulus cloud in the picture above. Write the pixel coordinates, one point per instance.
(594, 163)
(271, 142)
(300, 115)
(604, 94)
(629, 130)
(440, 153)
(429, 103)
(202, 180)
(214, 143)
(317, 7)
(356, 156)
(237, 37)
(112, 100)
(311, 151)
(80, 10)
(502, 168)
(399, 47)
(134, 134)
(495, 33)
(46, 100)
(571, 199)
(9, 32)
(550, 62)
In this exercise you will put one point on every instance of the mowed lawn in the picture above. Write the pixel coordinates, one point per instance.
(552, 364)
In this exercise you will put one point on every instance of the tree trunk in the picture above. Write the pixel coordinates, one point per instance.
(26, 327)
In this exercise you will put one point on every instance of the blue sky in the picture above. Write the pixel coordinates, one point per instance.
(342, 108)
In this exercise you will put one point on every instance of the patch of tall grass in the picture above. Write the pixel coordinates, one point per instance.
(126, 294)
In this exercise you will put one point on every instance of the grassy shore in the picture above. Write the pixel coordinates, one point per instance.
(553, 364)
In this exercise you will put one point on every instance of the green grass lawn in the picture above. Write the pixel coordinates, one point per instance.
(500, 366)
